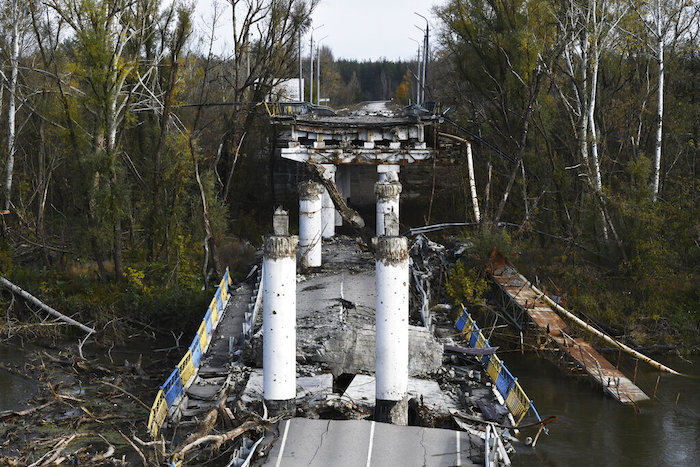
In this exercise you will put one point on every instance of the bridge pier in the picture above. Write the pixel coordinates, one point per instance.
(391, 320)
(279, 317)
(388, 193)
(310, 224)
(328, 206)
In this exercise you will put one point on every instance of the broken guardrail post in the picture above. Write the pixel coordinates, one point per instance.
(279, 317)
(328, 206)
(310, 224)
(391, 319)
(387, 201)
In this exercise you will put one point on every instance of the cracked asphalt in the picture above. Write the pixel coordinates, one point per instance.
(367, 443)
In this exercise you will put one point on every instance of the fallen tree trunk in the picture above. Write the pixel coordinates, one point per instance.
(605, 337)
(348, 214)
(219, 439)
(35, 301)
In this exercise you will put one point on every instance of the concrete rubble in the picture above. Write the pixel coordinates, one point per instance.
(336, 349)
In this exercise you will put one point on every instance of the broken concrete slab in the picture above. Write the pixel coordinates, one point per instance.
(308, 387)
(361, 391)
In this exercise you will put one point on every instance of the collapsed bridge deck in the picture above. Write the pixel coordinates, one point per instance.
(519, 290)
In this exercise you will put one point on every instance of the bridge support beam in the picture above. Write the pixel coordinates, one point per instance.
(391, 369)
(310, 224)
(279, 317)
(328, 206)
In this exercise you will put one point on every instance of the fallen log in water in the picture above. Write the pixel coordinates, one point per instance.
(35, 301)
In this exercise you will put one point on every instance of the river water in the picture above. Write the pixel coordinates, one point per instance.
(15, 389)
(594, 430)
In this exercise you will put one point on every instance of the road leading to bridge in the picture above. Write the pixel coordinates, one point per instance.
(362, 443)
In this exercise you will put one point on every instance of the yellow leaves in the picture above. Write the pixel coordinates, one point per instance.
(135, 278)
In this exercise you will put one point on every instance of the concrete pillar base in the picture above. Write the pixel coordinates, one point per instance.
(394, 412)
(283, 408)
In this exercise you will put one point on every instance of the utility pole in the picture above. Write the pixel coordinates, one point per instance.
(311, 65)
(418, 75)
(311, 69)
(318, 70)
(426, 54)
(301, 77)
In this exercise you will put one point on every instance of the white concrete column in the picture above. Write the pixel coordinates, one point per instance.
(279, 317)
(391, 370)
(310, 224)
(387, 202)
(388, 172)
(328, 206)
(342, 181)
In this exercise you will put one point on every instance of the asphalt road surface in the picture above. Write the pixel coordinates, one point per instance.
(322, 443)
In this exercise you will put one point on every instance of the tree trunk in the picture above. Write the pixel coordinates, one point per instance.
(660, 106)
(534, 90)
(11, 106)
(209, 245)
(349, 215)
(35, 301)
(472, 183)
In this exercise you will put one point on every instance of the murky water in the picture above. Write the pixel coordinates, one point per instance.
(593, 429)
(14, 388)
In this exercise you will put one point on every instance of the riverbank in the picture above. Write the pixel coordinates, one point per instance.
(94, 404)
(647, 302)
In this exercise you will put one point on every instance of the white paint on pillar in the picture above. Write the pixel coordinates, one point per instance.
(310, 224)
(388, 172)
(342, 181)
(328, 223)
(388, 194)
(391, 318)
(279, 318)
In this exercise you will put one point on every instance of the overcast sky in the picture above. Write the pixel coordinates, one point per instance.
(357, 29)
(372, 29)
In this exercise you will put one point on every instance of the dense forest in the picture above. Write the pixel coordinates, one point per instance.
(135, 160)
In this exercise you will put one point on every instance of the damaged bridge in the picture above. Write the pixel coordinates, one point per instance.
(574, 350)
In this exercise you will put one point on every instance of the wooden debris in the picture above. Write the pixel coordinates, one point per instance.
(218, 440)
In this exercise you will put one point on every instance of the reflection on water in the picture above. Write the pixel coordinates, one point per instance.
(14, 389)
(593, 429)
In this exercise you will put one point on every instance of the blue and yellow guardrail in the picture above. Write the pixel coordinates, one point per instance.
(171, 392)
(506, 384)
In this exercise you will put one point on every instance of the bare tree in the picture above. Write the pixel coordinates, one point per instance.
(16, 17)
(664, 22)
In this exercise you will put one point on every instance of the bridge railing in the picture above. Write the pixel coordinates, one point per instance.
(254, 306)
(506, 384)
(276, 109)
(172, 391)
